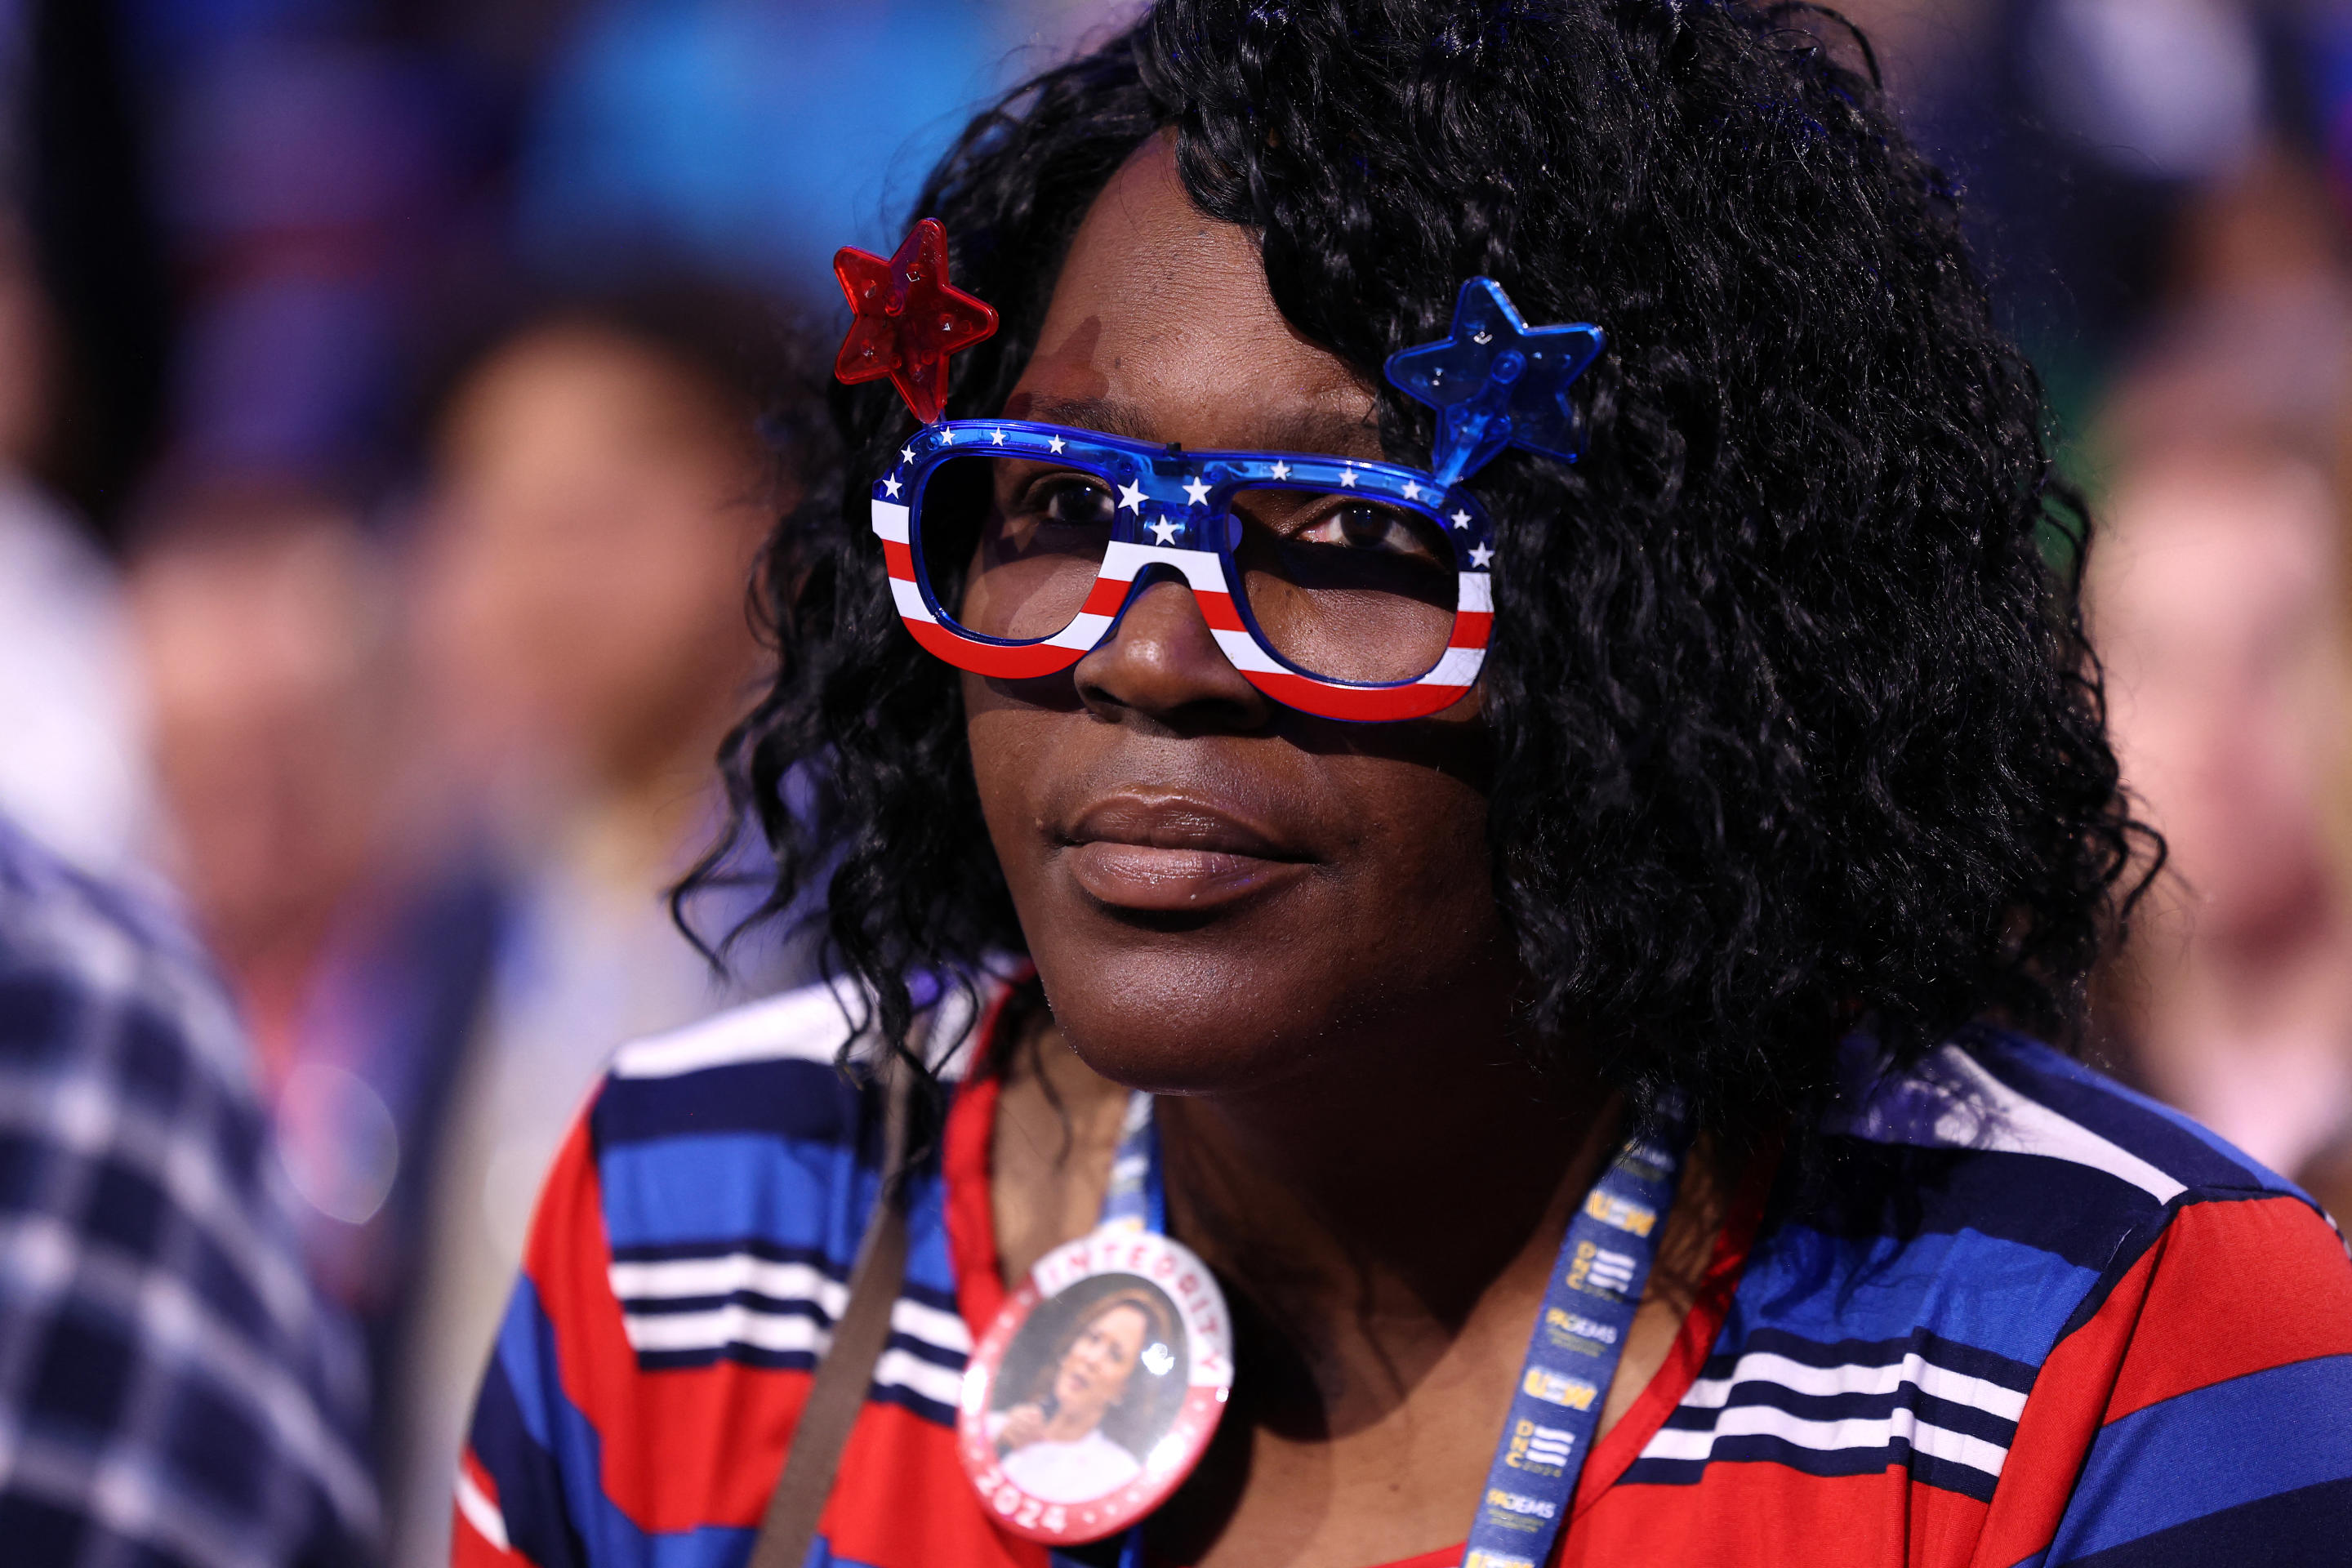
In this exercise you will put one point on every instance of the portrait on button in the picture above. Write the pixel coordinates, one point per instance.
(1090, 1384)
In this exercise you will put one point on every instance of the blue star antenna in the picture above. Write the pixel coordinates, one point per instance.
(1497, 382)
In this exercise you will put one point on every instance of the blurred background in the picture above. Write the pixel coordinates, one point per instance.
(394, 394)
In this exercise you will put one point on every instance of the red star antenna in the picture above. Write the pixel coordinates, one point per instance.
(909, 318)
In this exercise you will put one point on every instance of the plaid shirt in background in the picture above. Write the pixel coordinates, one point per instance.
(171, 1391)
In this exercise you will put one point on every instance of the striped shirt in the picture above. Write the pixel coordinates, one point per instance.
(2026, 1320)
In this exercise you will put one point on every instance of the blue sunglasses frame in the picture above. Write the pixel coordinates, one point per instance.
(1174, 518)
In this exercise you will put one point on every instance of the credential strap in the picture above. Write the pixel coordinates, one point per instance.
(838, 1394)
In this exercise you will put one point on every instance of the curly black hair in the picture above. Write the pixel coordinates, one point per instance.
(1796, 722)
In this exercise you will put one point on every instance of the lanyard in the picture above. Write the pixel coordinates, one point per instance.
(1135, 1198)
(1573, 1353)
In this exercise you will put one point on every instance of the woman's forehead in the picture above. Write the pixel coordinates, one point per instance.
(1161, 327)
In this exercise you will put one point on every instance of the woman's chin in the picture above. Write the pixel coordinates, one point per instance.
(1178, 1028)
(1243, 1004)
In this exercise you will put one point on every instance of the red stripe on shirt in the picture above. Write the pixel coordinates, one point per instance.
(2200, 1307)
(964, 1201)
(1759, 1515)
(469, 1550)
(2061, 1418)
(872, 1517)
(2214, 1309)
(964, 1151)
(681, 1449)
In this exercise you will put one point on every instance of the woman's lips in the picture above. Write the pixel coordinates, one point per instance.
(1140, 876)
(1165, 854)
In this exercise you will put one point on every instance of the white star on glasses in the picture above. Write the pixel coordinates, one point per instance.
(906, 454)
(1164, 532)
(996, 437)
(947, 436)
(1480, 555)
(1348, 477)
(1056, 445)
(1281, 471)
(1196, 493)
(1131, 497)
(893, 486)
(1411, 491)
(1460, 519)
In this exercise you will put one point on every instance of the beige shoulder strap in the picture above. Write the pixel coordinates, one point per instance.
(838, 1394)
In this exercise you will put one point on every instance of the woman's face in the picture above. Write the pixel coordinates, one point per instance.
(1221, 893)
(1095, 1369)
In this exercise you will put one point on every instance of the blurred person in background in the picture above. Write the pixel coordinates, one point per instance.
(73, 768)
(263, 618)
(312, 836)
(321, 859)
(2221, 611)
(172, 1390)
(430, 782)
(598, 489)
(2219, 602)
(2122, 156)
(2218, 598)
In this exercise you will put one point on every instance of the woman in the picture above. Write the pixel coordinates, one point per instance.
(1054, 1446)
(1782, 784)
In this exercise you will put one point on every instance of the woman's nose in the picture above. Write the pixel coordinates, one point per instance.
(1163, 664)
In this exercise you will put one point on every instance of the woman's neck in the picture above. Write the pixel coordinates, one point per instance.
(1386, 1231)
(1367, 1218)
(1367, 1208)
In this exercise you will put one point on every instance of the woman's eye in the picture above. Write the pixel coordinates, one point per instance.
(1365, 527)
(1072, 502)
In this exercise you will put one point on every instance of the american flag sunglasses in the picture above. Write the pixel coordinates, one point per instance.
(1350, 590)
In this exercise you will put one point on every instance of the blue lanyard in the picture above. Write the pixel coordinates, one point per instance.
(1573, 1353)
(1135, 1198)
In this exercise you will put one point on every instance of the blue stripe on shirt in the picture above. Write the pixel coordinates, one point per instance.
(1831, 1288)
(734, 1185)
(2310, 1527)
(2208, 1449)
(797, 1100)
